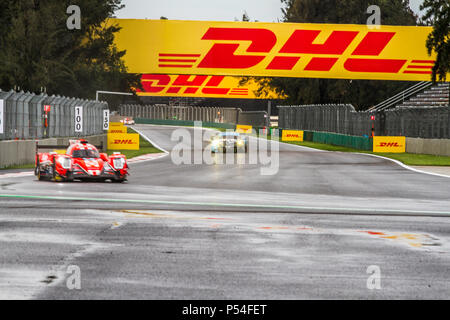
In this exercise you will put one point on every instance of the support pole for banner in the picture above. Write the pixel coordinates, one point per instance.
(111, 92)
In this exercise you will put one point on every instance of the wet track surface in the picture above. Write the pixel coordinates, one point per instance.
(228, 232)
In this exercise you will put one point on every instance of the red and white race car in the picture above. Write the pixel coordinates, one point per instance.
(128, 121)
(82, 161)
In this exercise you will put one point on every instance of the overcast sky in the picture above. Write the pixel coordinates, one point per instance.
(215, 10)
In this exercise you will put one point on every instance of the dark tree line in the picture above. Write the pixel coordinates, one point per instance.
(38, 51)
(438, 15)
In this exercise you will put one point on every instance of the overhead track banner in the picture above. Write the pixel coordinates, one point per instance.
(275, 49)
(201, 86)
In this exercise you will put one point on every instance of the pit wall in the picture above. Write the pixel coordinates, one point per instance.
(22, 152)
(437, 147)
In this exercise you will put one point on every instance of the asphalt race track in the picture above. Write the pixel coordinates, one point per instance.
(227, 232)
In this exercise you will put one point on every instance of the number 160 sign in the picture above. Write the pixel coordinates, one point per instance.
(78, 119)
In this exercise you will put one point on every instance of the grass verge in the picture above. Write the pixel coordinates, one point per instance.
(22, 166)
(410, 159)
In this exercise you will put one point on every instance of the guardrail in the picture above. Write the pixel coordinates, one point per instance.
(23, 115)
(420, 122)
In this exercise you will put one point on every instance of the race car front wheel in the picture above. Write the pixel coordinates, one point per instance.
(37, 172)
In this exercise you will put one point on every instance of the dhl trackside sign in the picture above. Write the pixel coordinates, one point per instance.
(389, 144)
(165, 85)
(116, 125)
(123, 141)
(240, 128)
(292, 135)
(118, 130)
(275, 49)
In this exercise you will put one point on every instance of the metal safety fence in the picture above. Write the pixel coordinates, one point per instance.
(415, 122)
(25, 115)
(190, 113)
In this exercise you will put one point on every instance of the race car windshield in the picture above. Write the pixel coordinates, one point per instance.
(85, 154)
(225, 137)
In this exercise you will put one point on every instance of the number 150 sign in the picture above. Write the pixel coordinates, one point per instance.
(78, 119)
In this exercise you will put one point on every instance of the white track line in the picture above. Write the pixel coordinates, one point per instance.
(404, 165)
(16, 174)
(149, 140)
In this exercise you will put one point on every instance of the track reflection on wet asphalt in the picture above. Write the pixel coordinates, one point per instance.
(228, 232)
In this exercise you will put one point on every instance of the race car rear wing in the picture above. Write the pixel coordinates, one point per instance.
(44, 146)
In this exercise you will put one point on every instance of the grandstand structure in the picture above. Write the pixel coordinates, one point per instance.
(421, 95)
(436, 96)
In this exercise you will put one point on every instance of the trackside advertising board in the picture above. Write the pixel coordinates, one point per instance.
(117, 127)
(292, 135)
(201, 86)
(244, 129)
(275, 49)
(118, 130)
(389, 144)
(123, 141)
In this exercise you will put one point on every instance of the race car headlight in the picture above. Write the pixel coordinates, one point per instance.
(119, 163)
(216, 143)
(66, 163)
(240, 142)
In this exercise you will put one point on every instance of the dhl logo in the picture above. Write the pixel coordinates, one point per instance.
(389, 145)
(118, 141)
(199, 86)
(188, 85)
(292, 135)
(222, 55)
(275, 50)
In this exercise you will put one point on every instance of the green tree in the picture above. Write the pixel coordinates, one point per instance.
(361, 93)
(38, 51)
(438, 15)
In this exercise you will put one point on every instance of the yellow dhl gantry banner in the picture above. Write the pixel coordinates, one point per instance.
(123, 141)
(275, 49)
(201, 86)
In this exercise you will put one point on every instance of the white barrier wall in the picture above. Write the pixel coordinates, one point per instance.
(22, 152)
(437, 147)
